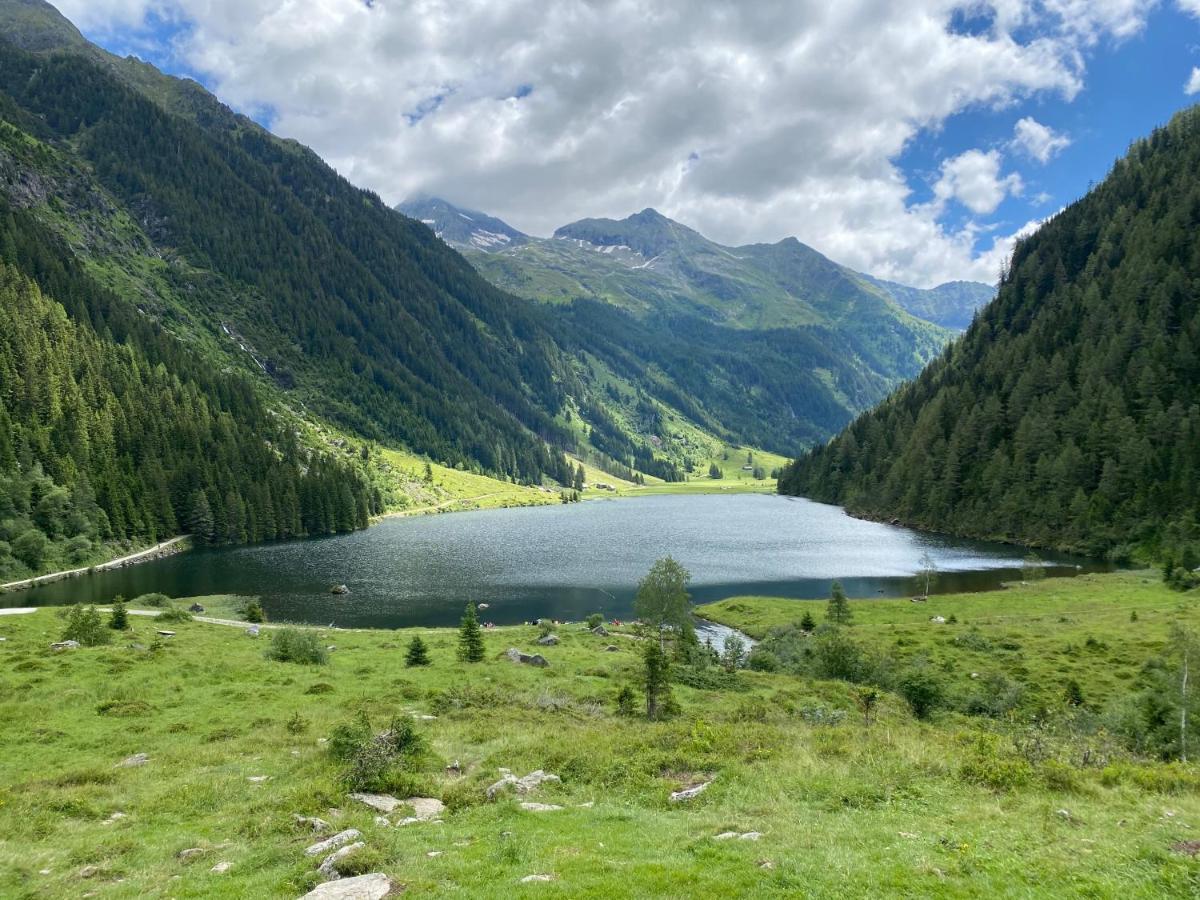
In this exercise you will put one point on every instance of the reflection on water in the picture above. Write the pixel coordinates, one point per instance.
(562, 562)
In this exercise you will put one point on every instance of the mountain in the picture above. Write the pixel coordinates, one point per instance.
(463, 227)
(952, 305)
(1068, 415)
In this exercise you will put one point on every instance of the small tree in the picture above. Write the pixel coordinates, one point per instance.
(470, 636)
(417, 653)
(867, 699)
(734, 653)
(714, 471)
(119, 619)
(922, 689)
(1033, 568)
(1073, 693)
(838, 611)
(625, 701)
(662, 597)
(85, 626)
(927, 571)
(253, 613)
(657, 682)
(807, 623)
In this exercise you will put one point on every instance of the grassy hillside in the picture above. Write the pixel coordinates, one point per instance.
(951, 807)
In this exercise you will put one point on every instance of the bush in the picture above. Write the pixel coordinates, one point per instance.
(297, 645)
(922, 689)
(119, 619)
(253, 613)
(173, 616)
(84, 625)
(296, 724)
(377, 762)
(626, 701)
(762, 660)
(154, 601)
(31, 548)
(595, 620)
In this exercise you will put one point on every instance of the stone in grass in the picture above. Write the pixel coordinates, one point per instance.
(221, 868)
(132, 762)
(258, 779)
(384, 803)
(539, 807)
(741, 836)
(190, 853)
(548, 640)
(338, 840)
(328, 868)
(541, 876)
(690, 792)
(317, 825)
(535, 659)
(375, 886)
(64, 645)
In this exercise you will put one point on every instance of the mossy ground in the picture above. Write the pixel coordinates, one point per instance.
(896, 809)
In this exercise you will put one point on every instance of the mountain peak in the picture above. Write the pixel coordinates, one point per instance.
(462, 227)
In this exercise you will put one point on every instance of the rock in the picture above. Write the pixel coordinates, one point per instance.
(383, 821)
(195, 608)
(317, 825)
(938, 620)
(258, 779)
(539, 807)
(167, 633)
(115, 817)
(506, 779)
(190, 853)
(252, 631)
(535, 659)
(549, 640)
(611, 648)
(339, 589)
(529, 879)
(425, 807)
(484, 606)
(64, 645)
(328, 867)
(765, 864)
(221, 868)
(338, 840)
(132, 762)
(534, 780)
(689, 793)
(385, 803)
(88, 872)
(725, 836)
(375, 886)
(587, 805)
(750, 836)
(434, 854)
(600, 630)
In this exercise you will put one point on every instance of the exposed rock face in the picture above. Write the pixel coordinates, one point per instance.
(526, 785)
(375, 886)
(385, 803)
(338, 840)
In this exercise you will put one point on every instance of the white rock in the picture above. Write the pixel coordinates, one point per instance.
(689, 793)
(342, 837)
(317, 825)
(221, 868)
(725, 836)
(539, 807)
(529, 879)
(506, 779)
(750, 836)
(385, 803)
(64, 645)
(425, 807)
(328, 867)
(434, 854)
(190, 853)
(258, 779)
(408, 820)
(115, 817)
(534, 780)
(132, 762)
(375, 886)
(382, 821)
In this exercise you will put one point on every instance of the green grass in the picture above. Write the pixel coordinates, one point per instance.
(897, 809)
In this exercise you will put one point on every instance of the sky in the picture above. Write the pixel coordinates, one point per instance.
(910, 140)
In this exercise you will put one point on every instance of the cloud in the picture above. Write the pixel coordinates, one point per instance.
(748, 121)
(1193, 84)
(1190, 6)
(1039, 141)
(973, 179)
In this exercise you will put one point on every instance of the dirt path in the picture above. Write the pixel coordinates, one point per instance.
(132, 558)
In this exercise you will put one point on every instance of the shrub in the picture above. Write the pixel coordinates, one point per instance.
(626, 701)
(595, 620)
(377, 762)
(297, 645)
(174, 616)
(922, 689)
(545, 627)
(974, 640)
(417, 653)
(253, 613)
(763, 660)
(84, 625)
(296, 724)
(119, 619)
(155, 601)
(321, 687)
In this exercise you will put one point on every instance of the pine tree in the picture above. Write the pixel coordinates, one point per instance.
(417, 653)
(807, 622)
(579, 476)
(470, 636)
(838, 611)
(657, 682)
(253, 613)
(119, 619)
(201, 523)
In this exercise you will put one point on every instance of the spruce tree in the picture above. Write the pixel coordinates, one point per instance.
(470, 636)
(807, 622)
(838, 611)
(119, 619)
(657, 682)
(417, 653)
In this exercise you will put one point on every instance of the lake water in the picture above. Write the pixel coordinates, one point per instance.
(562, 562)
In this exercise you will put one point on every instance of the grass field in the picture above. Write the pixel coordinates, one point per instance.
(843, 810)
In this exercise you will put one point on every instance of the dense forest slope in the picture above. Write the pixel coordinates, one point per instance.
(1068, 415)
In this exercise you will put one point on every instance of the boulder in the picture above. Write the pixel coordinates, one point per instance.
(611, 648)
(221, 868)
(317, 825)
(600, 631)
(190, 853)
(506, 778)
(339, 589)
(132, 762)
(534, 780)
(938, 620)
(384, 803)
(549, 640)
(328, 867)
(535, 659)
(338, 840)
(425, 807)
(195, 608)
(375, 886)
(689, 793)
(252, 631)
(64, 645)
(167, 633)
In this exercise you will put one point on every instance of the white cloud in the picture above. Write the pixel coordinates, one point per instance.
(973, 179)
(1193, 85)
(1039, 141)
(545, 112)
(1190, 6)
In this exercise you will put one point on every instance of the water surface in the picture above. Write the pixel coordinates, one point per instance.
(562, 562)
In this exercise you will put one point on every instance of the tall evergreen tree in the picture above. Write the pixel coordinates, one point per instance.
(838, 609)
(470, 636)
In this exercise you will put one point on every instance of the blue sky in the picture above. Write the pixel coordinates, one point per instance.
(883, 134)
